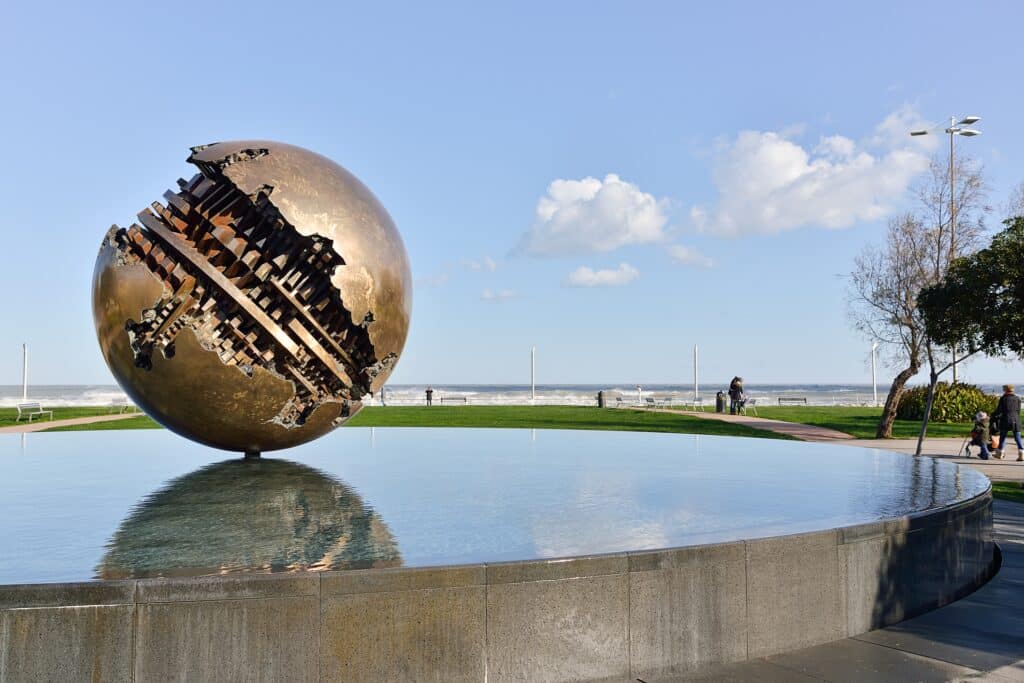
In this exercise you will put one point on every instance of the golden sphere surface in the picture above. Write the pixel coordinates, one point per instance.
(255, 308)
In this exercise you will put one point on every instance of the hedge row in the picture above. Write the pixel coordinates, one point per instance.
(953, 403)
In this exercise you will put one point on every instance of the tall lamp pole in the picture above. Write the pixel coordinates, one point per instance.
(24, 372)
(874, 377)
(696, 383)
(955, 128)
(533, 373)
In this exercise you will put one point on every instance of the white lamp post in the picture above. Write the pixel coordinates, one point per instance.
(696, 384)
(24, 372)
(533, 373)
(955, 128)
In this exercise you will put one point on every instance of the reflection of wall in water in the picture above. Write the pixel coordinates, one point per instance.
(235, 516)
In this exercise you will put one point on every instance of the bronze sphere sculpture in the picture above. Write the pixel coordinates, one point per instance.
(255, 309)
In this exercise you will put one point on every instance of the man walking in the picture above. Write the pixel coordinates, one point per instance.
(1008, 416)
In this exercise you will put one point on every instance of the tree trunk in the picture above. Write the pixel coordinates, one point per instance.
(927, 411)
(892, 401)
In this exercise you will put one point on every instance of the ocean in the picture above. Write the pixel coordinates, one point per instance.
(509, 394)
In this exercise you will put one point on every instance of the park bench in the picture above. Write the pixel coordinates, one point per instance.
(454, 399)
(30, 410)
(751, 404)
(792, 400)
(121, 405)
(650, 402)
(698, 404)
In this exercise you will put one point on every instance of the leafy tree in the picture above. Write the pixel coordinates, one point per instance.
(980, 302)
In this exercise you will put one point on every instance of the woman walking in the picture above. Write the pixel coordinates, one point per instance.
(1008, 416)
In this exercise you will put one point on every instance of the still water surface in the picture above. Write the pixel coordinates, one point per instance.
(85, 505)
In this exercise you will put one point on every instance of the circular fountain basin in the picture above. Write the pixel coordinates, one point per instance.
(473, 553)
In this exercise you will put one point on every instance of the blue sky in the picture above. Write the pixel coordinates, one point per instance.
(613, 182)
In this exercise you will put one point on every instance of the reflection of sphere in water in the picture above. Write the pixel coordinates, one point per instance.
(259, 516)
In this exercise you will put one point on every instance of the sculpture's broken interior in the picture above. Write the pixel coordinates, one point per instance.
(251, 288)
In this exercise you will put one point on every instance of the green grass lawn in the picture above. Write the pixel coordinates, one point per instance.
(858, 422)
(519, 417)
(548, 417)
(138, 422)
(1008, 490)
(8, 415)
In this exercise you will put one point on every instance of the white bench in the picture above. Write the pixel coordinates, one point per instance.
(750, 403)
(792, 400)
(122, 405)
(30, 410)
(454, 399)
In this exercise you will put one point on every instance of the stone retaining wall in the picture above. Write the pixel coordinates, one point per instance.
(605, 618)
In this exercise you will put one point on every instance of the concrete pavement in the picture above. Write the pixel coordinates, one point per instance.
(1007, 469)
(977, 638)
(794, 429)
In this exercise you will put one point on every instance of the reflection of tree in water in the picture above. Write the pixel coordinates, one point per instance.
(260, 516)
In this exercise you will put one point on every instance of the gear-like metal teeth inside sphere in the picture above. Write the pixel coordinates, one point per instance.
(255, 290)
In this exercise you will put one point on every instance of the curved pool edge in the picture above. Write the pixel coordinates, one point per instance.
(640, 614)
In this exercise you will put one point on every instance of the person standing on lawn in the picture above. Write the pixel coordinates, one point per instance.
(736, 397)
(1008, 416)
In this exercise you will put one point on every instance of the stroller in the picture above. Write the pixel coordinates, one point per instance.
(975, 440)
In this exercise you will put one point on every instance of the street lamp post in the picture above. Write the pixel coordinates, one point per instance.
(874, 377)
(955, 128)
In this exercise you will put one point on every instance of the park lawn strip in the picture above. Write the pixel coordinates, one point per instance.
(859, 422)
(1008, 490)
(549, 417)
(9, 415)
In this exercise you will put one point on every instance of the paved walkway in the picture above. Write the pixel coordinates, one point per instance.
(1007, 469)
(40, 425)
(977, 638)
(799, 431)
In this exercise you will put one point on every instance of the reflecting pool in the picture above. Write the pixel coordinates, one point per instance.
(93, 505)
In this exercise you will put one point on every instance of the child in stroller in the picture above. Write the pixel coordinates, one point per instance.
(981, 436)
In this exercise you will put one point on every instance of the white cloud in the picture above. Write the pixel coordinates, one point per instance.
(486, 263)
(688, 256)
(591, 215)
(500, 295)
(587, 277)
(767, 183)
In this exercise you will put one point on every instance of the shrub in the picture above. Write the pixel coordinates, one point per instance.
(953, 403)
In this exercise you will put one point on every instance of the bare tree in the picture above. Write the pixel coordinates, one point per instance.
(1015, 205)
(883, 303)
(919, 246)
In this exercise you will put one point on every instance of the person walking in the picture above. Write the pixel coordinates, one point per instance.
(1008, 416)
(980, 435)
(430, 396)
(736, 398)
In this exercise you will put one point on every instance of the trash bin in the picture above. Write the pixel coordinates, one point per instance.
(720, 404)
(600, 399)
